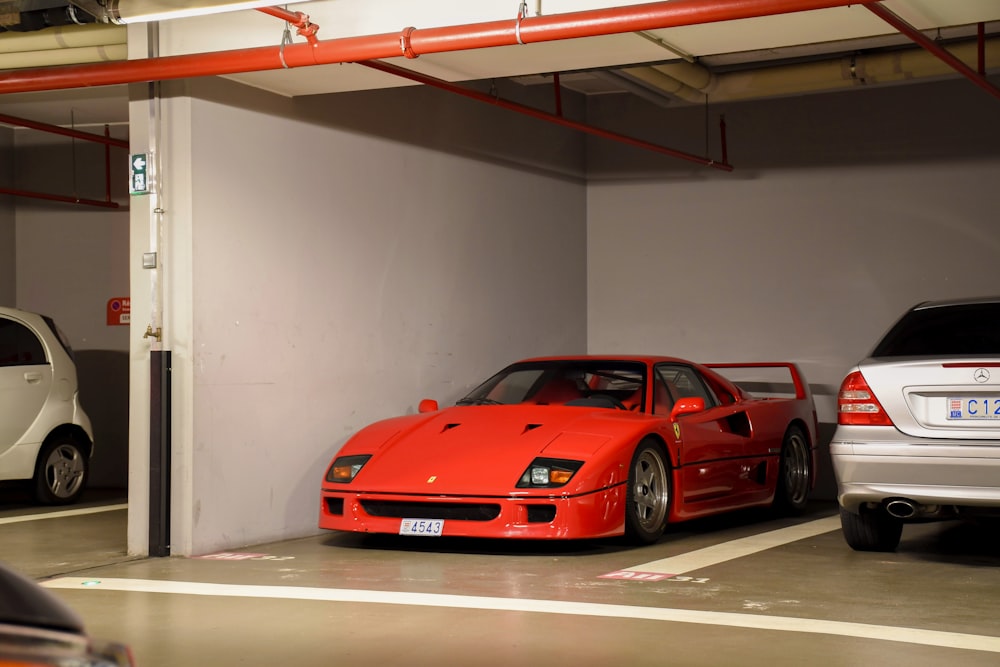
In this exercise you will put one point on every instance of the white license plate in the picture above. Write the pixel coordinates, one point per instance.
(963, 409)
(432, 527)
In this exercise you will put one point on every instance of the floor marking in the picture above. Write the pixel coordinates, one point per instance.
(720, 553)
(62, 514)
(955, 640)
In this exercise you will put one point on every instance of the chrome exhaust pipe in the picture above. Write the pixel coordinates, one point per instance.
(902, 508)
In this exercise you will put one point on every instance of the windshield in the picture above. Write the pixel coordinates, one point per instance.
(591, 382)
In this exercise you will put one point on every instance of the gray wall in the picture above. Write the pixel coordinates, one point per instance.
(71, 260)
(843, 210)
(349, 255)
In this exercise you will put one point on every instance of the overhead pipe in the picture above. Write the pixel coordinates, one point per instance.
(107, 164)
(108, 142)
(902, 26)
(557, 91)
(63, 45)
(541, 115)
(981, 48)
(409, 42)
(55, 38)
(64, 131)
(305, 27)
(60, 198)
(556, 118)
(691, 82)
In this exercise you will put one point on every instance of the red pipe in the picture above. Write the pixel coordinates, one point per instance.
(62, 198)
(902, 26)
(558, 92)
(409, 42)
(107, 166)
(66, 132)
(981, 41)
(722, 133)
(306, 28)
(541, 115)
(76, 134)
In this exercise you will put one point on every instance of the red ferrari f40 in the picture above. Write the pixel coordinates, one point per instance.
(580, 447)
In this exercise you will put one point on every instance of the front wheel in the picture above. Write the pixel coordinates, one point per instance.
(61, 471)
(871, 529)
(794, 472)
(648, 502)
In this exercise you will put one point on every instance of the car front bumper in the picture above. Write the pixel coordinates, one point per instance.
(874, 464)
(592, 515)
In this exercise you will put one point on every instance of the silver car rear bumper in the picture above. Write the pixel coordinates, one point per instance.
(876, 464)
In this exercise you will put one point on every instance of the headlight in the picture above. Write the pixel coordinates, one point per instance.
(548, 473)
(346, 468)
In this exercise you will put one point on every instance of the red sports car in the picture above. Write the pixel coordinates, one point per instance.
(579, 447)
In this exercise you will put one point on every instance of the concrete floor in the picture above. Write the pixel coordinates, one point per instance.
(750, 589)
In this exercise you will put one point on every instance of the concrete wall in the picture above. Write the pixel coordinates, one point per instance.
(329, 262)
(843, 210)
(70, 260)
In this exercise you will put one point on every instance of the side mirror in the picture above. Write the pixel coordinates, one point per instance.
(688, 406)
(428, 405)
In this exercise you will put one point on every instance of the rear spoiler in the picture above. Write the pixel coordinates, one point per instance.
(801, 388)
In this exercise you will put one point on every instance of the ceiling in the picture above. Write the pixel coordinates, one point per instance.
(773, 56)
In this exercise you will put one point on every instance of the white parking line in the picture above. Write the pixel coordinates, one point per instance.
(955, 640)
(62, 513)
(720, 553)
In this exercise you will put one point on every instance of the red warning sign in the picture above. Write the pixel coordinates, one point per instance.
(119, 311)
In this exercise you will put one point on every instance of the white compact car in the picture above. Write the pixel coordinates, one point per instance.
(45, 436)
(918, 424)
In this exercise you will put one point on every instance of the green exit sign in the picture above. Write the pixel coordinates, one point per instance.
(138, 182)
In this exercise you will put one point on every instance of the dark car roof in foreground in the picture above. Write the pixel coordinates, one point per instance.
(23, 602)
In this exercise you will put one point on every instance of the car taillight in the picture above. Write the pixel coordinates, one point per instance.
(857, 405)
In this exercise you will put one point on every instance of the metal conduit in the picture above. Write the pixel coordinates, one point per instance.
(902, 26)
(543, 115)
(410, 42)
(106, 139)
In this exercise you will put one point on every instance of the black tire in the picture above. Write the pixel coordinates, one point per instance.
(794, 472)
(871, 529)
(61, 471)
(647, 506)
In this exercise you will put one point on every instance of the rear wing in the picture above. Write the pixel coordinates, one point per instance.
(761, 378)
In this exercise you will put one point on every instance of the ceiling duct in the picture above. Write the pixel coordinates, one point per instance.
(692, 83)
(31, 15)
(142, 11)
(63, 45)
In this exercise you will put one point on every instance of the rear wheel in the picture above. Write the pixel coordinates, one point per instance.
(648, 502)
(61, 471)
(794, 473)
(871, 529)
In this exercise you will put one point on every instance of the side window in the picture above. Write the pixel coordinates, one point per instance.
(663, 400)
(18, 345)
(680, 382)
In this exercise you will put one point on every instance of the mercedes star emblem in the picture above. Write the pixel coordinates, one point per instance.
(981, 375)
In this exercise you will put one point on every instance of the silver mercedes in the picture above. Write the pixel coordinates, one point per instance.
(918, 424)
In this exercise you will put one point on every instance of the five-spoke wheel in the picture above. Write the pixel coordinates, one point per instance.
(648, 502)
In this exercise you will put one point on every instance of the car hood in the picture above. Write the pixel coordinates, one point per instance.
(482, 450)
